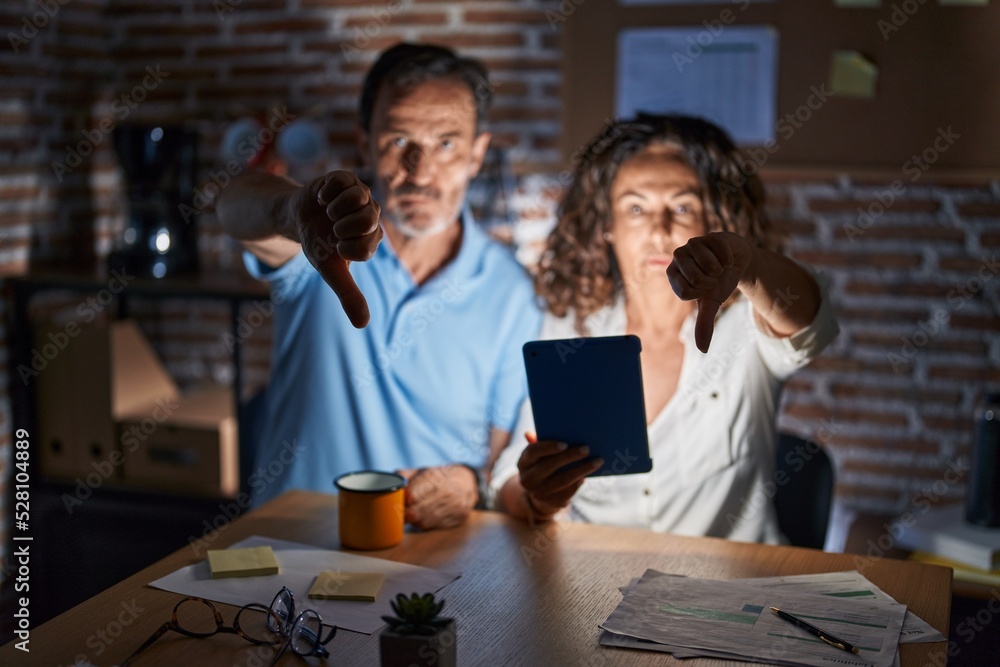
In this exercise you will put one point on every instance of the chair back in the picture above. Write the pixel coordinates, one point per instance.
(803, 502)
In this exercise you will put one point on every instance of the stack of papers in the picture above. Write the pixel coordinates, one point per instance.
(691, 617)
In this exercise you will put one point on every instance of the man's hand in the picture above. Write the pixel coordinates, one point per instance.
(440, 497)
(551, 472)
(709, 268)
(337, 222)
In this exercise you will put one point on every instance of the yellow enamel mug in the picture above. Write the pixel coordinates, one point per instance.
(371, 505)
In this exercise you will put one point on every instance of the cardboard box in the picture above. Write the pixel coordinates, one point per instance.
(188, 446)
(93, 376)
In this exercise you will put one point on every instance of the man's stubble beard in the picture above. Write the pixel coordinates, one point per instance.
(422, 232)
(398, 219)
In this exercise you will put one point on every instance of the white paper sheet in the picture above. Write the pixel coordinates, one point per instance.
(727, 75)
(732, 619)
(299, 565)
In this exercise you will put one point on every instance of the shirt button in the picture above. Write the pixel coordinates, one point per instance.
(645, 492)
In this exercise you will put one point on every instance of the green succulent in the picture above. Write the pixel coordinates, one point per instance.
(416, 615)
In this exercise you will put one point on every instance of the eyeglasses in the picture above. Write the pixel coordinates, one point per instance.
(264, 626)
(196, 617)
(304, 633)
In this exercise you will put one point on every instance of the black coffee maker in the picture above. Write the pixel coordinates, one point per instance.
(159, 164)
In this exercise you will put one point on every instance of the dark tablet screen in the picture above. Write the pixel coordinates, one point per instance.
(588, 391)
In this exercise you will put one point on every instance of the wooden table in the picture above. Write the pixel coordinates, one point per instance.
(527, 596)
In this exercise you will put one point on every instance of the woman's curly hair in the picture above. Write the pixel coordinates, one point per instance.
(577, 270)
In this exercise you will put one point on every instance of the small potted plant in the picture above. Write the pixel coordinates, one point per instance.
(417, 634)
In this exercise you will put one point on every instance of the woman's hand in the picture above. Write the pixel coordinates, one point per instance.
(551, 472)
(709, 268)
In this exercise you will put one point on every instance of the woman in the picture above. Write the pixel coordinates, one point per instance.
(663, 236)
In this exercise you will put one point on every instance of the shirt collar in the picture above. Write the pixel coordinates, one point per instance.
(466, 262)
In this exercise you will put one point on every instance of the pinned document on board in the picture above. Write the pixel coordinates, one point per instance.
(726, 74)
(853, 75)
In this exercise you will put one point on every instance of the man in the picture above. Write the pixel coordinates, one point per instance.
(432, 384)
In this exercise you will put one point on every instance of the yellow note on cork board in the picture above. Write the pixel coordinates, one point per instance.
(853, 75)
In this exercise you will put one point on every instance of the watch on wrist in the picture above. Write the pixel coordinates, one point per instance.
(481, 487)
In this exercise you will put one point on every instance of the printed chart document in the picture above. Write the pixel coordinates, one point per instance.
(854, 586)
(732, 619)
(728, 77)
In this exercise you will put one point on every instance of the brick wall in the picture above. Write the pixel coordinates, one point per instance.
(914, 279)
(895, 393)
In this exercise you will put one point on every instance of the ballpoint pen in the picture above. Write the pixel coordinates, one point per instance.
(812, 629)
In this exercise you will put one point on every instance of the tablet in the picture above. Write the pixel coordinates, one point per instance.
(588, 391)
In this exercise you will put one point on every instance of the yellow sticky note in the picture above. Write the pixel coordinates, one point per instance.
(853, 75)
(363, 586)
(248, 562)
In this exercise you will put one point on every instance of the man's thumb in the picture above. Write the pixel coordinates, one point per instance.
(338, 276)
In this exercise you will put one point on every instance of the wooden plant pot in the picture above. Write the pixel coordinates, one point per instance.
(419, 650)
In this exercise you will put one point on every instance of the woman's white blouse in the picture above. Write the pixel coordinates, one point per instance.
(712, 445)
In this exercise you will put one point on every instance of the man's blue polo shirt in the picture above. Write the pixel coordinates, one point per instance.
(437, 366)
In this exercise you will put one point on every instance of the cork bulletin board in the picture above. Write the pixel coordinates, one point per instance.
(938, 68)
